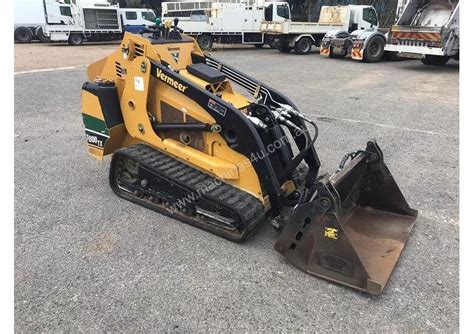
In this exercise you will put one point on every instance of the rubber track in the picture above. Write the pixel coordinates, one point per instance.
(250, 210)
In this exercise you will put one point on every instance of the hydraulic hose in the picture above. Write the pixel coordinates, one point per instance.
(346, 157)
(300, 156)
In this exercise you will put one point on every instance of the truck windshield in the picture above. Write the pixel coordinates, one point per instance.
(283, 11)
(369, 15)
(149, 16)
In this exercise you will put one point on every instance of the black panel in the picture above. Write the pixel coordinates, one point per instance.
(206, 73)
(160, 40)
(109, 101)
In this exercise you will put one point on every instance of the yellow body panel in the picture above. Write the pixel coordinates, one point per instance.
(91, 105)
(236, 100)
(142, 95)
(201, 83)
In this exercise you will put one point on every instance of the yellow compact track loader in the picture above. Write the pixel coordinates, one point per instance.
(202, 142)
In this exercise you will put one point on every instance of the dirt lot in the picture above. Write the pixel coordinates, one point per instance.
(37, 56)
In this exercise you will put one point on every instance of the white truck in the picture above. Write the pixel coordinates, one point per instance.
(31, 15)
(97, 20)
(225, 21)
(135, 19)
(427, 30)
(301, 36)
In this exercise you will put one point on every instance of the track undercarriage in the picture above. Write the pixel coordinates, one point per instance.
(147, 177)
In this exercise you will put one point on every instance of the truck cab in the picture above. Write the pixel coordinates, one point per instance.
(135, 19)
(277, 11)
(361, 38)
(363, 18)
(58, 13)
(31, 15)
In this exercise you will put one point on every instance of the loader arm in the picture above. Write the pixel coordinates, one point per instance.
(271, 98)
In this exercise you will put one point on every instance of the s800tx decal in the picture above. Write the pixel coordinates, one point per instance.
(97, 132)
(96, 139)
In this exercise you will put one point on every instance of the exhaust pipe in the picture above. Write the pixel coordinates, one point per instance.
(355, 227)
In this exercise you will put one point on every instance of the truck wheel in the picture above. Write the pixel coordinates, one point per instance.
(75, 39)
(434, 60)
(23, 35)
(374, 50)
(205, 42)
(303, 46)
(41, 36)
(284, 48)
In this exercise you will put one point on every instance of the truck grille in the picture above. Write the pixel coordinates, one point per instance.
(416, 42)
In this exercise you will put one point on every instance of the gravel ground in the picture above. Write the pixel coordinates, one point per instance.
(86, 260)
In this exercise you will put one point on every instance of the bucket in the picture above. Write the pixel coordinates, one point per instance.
(355, 226)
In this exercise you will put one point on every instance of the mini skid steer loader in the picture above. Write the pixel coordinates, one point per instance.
(186, 143)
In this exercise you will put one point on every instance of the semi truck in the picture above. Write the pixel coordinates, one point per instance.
(225, 21)
(425, 29)
(98, 21)
(31, 15)
(301, 36)
(78, 21)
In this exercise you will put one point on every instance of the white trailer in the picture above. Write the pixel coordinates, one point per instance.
(427, 30)
(30, 15)
(301, 36)
(227, 22)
